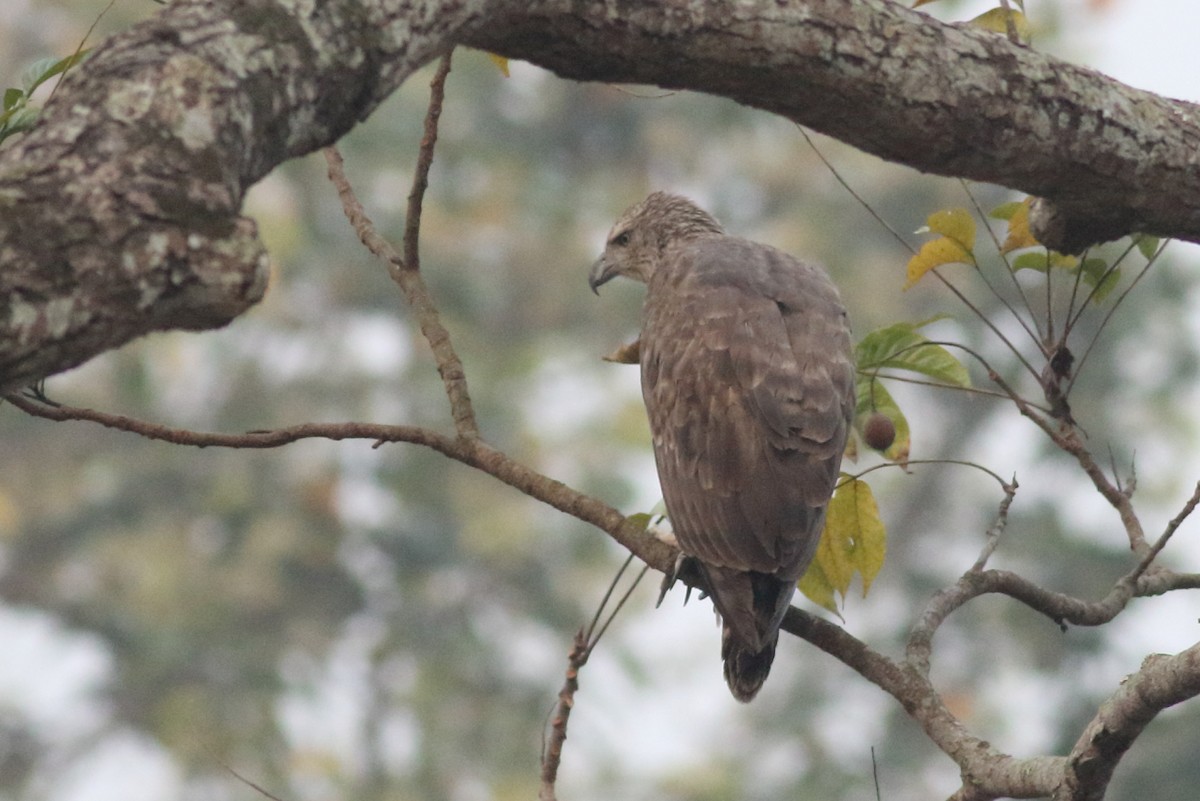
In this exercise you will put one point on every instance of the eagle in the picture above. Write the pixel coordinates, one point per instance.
(748, 380)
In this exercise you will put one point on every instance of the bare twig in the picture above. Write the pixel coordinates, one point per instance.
(960, 462)
(469, 451)
(581, 650)
(416, 196)
(1013, 349)
(992, 538)
(404, 270)
(552, 752)
(1033, 335)
(1111, 310)
(1161, 542)
(846, 185)
(987, 393)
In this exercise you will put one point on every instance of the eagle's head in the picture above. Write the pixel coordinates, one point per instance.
(640, 236)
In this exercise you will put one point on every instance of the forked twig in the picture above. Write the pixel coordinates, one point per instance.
(404, 270)
(581, 650)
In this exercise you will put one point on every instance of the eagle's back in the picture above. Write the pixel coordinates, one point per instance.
(748, 380)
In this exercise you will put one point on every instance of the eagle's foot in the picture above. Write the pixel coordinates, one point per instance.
(687, 569)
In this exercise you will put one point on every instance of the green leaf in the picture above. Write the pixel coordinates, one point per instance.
(1098, 275)
(1005, 211)
(12, 97)
(17, 120)
(1146, 244)
(902, 347)
(44, 69)
(1031, 261)
(1041, 260)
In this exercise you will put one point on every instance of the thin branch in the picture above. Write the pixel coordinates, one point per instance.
(987, 393)
(473, 452)
(405, 273)
(416, 196)
(984, 319)
(1112, 310)
(1035, 336)
(846, 185)
(1172, 527)
(992, 538)
(552, 750)
(584, 643)
(1099, 283)
(960, 462)
(1074, 293)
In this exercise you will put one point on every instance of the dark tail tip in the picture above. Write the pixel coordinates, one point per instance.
(746, 670)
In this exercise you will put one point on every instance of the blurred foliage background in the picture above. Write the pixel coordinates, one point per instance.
(333, 621)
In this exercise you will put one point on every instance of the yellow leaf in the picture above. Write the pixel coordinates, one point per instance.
(996, 21)
(833, 552)
(626, 354)
(1019, 235)
(854, 541)
(869, 541)
(816, 588)
(956, 224)
(942, 250)
(499, 61)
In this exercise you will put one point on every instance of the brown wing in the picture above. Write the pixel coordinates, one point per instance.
(748, 381)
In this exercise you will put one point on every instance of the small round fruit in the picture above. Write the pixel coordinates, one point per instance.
(879, 432)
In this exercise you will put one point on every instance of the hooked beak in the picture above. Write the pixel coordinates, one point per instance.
(601, 273)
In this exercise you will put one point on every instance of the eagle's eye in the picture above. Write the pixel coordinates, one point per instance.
(621, 239)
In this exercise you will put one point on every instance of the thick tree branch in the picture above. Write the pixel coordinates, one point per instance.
(1161, 682)
(119, 212)
(946, 99)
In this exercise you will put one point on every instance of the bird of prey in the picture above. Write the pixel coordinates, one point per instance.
(748, 381)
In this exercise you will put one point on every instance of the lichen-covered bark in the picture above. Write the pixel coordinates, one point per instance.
(946, 99)
(119, 212)
(119, 215)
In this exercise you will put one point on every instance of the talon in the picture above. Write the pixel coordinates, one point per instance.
(669, 580)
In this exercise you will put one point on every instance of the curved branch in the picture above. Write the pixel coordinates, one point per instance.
(473, 452)
(1161, 682)
(903, 86)
(119, 211)
(993, 774)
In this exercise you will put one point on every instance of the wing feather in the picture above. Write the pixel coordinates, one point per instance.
(748, 382)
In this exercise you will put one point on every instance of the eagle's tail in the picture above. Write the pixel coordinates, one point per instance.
(751, 606)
